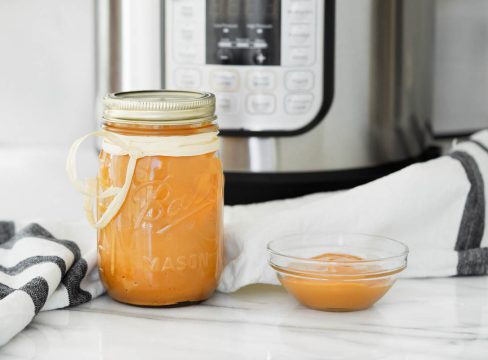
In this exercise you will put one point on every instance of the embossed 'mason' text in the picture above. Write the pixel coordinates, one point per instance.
(178, 263)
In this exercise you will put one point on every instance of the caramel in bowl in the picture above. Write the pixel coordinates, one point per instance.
(337, 272)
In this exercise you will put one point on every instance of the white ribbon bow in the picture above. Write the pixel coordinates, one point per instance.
(136, 147)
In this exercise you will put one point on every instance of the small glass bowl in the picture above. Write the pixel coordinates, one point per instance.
(337, 272)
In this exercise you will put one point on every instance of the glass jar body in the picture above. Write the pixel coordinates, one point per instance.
(164, 245)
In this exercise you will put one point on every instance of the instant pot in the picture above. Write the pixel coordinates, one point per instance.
(312, 95)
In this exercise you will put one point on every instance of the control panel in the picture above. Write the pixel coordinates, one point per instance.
(264, 59)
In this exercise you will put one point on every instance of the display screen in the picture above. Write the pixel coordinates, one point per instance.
(243, 32)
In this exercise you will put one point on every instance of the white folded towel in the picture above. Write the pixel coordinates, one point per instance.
(436, 208)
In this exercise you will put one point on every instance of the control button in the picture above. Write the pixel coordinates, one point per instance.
(299, 80)
(187, 33)
(224, 80)
(261, 104)
(259, 58)
(300, 35)
(300, 56)
(226, 104)
(185, 10)
(261, 80)
(298, 103)
(185, 55)
(187, 78)
(301, 10)
(224, 56)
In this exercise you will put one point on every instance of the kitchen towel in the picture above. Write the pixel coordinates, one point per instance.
(436, 208)
(44, 269)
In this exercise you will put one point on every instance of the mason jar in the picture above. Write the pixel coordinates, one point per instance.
(158, 198)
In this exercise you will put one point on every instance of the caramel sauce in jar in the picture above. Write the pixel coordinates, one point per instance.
(164, 245)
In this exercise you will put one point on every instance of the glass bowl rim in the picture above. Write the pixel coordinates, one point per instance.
(404, 253)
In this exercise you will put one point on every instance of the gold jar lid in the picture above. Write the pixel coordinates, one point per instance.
(159, 107)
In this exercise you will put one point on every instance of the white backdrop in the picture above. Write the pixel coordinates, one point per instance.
(46, 70)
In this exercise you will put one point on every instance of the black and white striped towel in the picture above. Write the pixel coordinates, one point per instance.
(39, 271)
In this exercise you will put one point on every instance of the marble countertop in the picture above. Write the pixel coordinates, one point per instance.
(417, 319)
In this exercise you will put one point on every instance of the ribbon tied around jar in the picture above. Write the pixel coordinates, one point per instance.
(135, 147)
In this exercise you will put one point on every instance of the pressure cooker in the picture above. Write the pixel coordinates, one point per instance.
(312, 95)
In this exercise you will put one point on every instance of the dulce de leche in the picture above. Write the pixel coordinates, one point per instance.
(158, 197)
(164, 246)
(339, 284)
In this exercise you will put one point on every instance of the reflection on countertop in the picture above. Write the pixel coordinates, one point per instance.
(418, 319)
